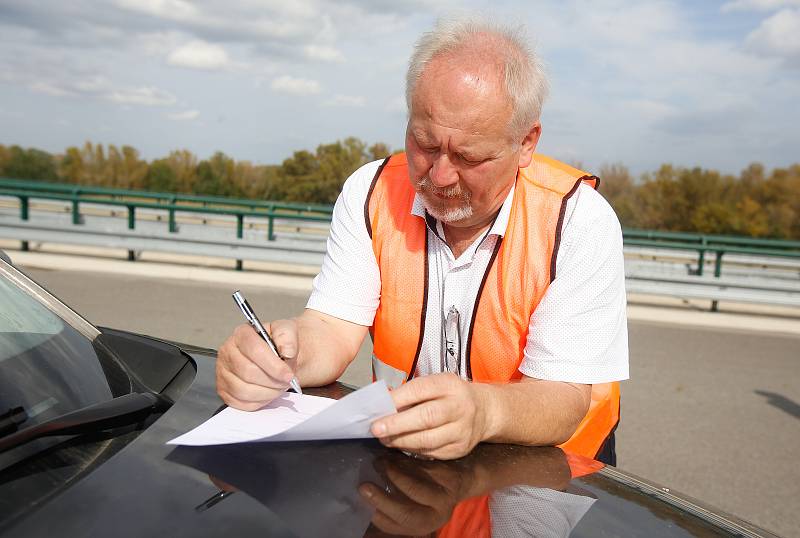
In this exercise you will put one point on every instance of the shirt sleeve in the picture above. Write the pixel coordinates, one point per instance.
(578, 333)
(348, 285)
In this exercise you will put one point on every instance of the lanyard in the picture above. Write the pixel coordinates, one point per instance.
(450, 333)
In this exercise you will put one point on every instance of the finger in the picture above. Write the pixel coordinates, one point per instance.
(389, 526)
(426, 442)
(418, 488)
(421, 389)
(245, 396)
(232, 401)
(249, 345)
(284, 334)
(248, 370)
(423, 416)
(393, 512)
(447, 452)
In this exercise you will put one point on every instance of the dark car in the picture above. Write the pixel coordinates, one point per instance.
(85, 413)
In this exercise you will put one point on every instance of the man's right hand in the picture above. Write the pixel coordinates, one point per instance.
(249, 375)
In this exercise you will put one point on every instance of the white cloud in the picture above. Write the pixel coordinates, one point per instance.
(199, 55)
(758, 5)
(325, 54)
(168, 9)
(186, 115)
(295, 86)
(99, 87)
(49, 89)
(146, 95)
(778, 35)
(346, 101)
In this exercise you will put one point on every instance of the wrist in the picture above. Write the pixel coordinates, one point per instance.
(489, 419)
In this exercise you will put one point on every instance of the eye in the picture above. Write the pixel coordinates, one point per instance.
(468, 161)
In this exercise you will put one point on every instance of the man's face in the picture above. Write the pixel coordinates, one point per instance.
(462, 159)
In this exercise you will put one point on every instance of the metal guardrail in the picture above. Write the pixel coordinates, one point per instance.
(688, 277)
(85, 193)
(171, 208)
(696, 284)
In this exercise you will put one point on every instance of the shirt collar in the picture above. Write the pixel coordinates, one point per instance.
(500, 222)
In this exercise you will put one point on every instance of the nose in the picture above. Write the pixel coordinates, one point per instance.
(443, 173)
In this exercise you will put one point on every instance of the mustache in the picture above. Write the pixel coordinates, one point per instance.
(424, 184)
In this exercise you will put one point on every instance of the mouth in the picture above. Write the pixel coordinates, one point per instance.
(426, 189)
(442, 196)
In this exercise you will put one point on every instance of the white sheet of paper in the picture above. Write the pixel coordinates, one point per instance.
(296, 417)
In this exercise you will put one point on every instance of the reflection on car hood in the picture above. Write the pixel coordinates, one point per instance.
(310, 489)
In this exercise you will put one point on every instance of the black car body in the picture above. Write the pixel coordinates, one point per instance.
(121, 479)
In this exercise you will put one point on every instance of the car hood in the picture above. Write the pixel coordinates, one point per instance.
(310, 489)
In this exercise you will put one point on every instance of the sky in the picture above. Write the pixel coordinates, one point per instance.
(639, 82)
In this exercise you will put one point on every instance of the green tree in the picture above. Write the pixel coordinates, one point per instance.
(71, 167)
(379, 150)
(161, 177)
(215, 177)
(618, 188)
(30, 163)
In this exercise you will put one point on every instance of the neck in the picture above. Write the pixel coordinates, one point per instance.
(459, 239)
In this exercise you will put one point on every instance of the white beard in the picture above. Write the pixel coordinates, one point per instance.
(441, 210)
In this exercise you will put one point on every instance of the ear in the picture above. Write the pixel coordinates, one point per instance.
(528, 145)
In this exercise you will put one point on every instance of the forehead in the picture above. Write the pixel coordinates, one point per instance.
(462, 96)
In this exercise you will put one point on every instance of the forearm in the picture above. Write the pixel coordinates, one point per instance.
(532, 412)
(326, 346)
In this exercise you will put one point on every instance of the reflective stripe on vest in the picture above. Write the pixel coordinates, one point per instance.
(522, 267)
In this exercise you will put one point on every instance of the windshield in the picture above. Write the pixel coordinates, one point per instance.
(47, 367)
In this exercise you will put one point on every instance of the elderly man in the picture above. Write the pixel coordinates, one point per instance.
(470, 260)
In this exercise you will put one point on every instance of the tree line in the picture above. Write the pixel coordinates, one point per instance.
(756, 203)
(306, 176)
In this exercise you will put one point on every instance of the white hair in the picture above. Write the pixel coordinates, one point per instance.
(525, 81)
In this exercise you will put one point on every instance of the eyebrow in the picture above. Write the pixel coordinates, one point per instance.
(422, 136)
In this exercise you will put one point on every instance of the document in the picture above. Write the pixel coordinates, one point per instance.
(296, 417)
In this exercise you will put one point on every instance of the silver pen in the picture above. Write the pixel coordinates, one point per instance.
(254, 322)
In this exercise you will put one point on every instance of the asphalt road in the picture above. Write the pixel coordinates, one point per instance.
(711, 413)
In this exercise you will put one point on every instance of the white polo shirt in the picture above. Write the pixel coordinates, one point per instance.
(578, 332)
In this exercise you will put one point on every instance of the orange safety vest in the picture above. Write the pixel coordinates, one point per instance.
(521, 268)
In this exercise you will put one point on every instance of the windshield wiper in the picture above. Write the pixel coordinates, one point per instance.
(121, 411)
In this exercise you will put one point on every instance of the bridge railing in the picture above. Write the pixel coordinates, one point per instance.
(699, 248)
(95, 194)
(718, 245)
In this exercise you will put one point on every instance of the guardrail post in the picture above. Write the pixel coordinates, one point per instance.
(23, 214)
(76, 212)
(701, 262)
(717, 274)
(271, 228)
(173, 226)
(239, 235)
(131, 226)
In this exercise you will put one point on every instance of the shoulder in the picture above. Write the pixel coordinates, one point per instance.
(589, 224)
(357, 186)
(587, 210)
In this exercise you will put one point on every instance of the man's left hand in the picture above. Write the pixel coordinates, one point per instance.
(439, 416)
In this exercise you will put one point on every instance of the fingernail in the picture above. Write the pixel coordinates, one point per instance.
(379, 430)
(365, 491)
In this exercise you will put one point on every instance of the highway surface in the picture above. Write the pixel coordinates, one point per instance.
(712, 413)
